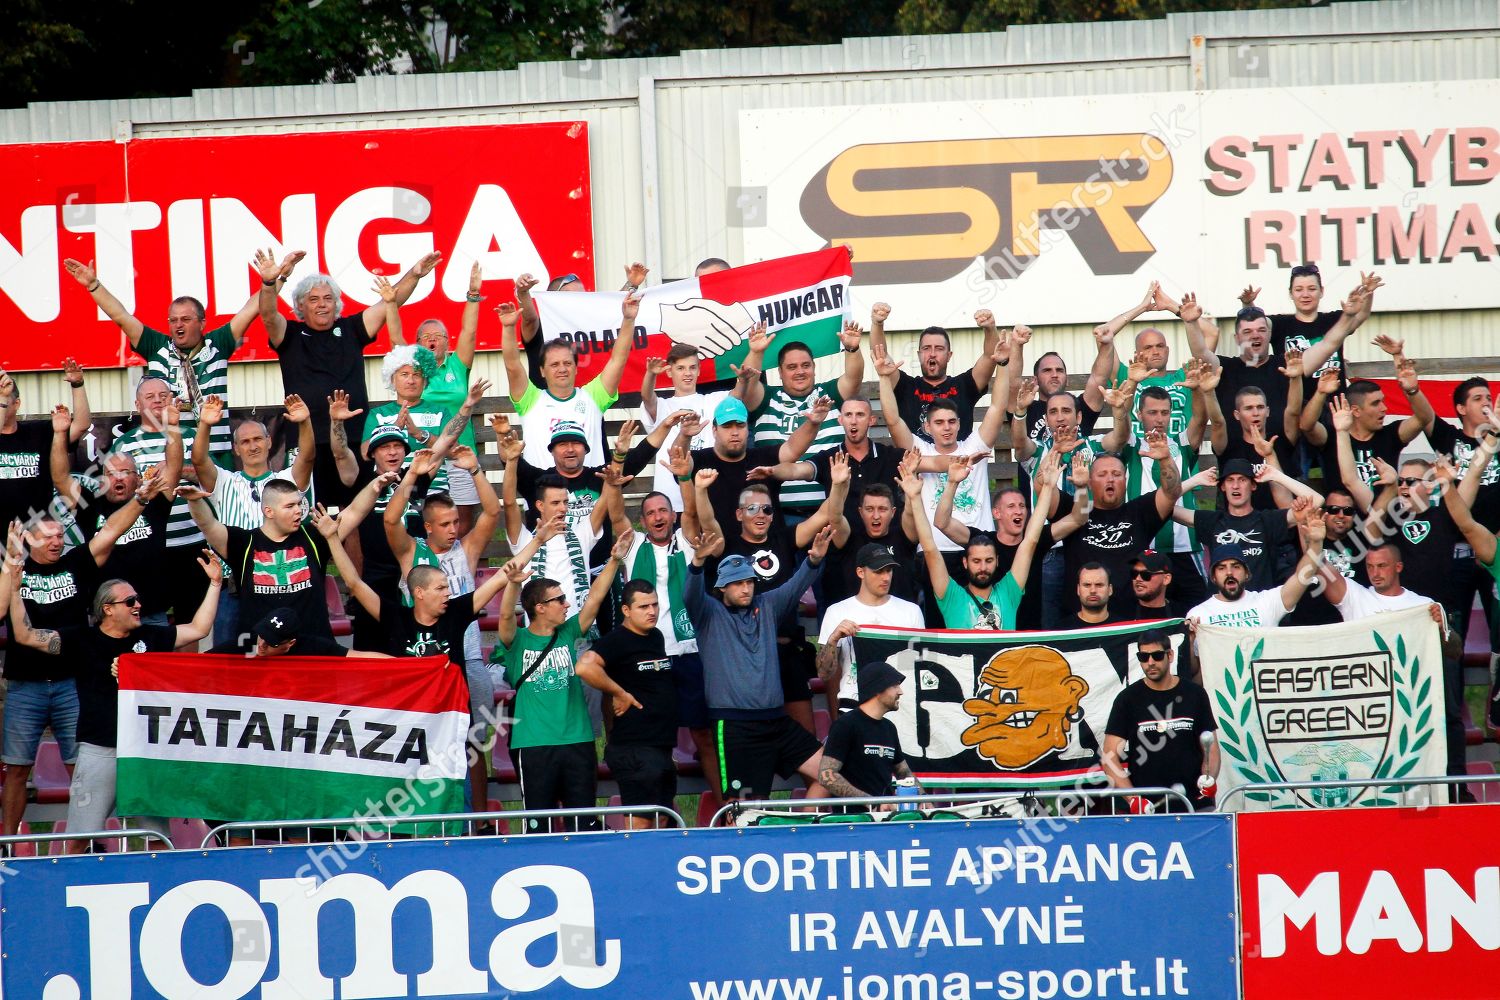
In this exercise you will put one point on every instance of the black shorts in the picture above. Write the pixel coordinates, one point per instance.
(558, 777)
(799, 664)
(646, 775)
(692, 701)
(752, 752)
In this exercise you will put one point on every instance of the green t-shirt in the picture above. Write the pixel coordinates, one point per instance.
(778, 417)
(449, 389)
(549, 709)
(962, 609)
(429, 416)
(1182, 399)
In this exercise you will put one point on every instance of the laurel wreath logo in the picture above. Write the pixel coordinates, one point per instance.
(1236, 704)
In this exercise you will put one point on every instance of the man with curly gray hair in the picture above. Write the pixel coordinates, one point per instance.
(321, 351)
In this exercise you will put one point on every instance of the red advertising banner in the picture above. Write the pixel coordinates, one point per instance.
(1371, 903)
(168, 217)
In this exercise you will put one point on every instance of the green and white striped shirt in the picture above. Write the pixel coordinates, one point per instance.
(236, 497)
(210, 366)
(149, 448)
(778, 417)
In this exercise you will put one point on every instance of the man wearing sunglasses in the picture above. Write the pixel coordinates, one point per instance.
(92, 654)
(1150, 576)
(1343, 551)
(1154, 737)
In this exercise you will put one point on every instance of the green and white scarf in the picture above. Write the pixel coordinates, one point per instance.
(644, 568)
(576, 559)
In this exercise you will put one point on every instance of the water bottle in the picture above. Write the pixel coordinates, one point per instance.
(907, 786)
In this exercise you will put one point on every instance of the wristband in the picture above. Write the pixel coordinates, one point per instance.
(1017, 416)
(621, 456)
(1005, 363)
(473, 297)
(1411, 393)
(94, 287)
(76, 385)
(683, 479)
(851, 350)
(269, 284)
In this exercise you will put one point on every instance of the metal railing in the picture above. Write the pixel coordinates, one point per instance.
(90, 835)
(937, 801)
(361, 827)
(1269, 787)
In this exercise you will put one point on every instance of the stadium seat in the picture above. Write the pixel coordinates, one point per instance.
(1477, 640)
(187, 834)
(708, 804)
(685, 755)
(821, 723)
(1486, 791)
(50, 774)
(335, 600)
(24, 850)
(504, 770)
(53, 848)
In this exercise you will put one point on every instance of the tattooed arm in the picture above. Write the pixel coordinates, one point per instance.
(47, 640)
(831, 776)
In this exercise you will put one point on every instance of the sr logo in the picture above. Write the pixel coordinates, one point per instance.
(922, 211)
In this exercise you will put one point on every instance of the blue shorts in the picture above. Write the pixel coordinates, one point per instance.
(30, 706)
(692, 700)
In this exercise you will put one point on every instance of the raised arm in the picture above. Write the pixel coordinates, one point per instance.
(889, 369)
(959, 467)
(649, 399)
(604, 580)
(1309, 423)
(879, 313)
(333, 532)
(1480, 538)
(619, 353)
(937, 570)
(1047, 474)
(121, 520)
(544, 533)
(801, 439)
(1021, 442)
(511, 447)
(203, 516)
(1422, 413)
(454, 428)
(510, 350)
(1356, 309)
(468, 324)
(750, 386)
(59, 462)
(854, 361)
(1190, 312)
(479, 536)
(210, 413)
(83, 416)
(1103, 368)
(112, 307)
(782, 601)
(831, 510)
(307, 445)
(1119, 397)
(1168, 477)
(403, 546)
(380, 312)
(202, 624)
(344, 458)
(531, 322)
(999, 411)
(1489, 444)
(707, 521)
(271, 276)
(1291, 416)
(1343, 422)
(1310, 522)
(363, 503)
(385, 293)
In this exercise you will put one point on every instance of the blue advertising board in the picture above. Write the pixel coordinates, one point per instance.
(994, 908)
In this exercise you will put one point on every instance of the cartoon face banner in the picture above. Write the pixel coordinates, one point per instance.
(1008, 709)
(1361, 699)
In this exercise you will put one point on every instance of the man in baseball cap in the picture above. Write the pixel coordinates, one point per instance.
(862, 755)
(1233, 606)
(1150, 576)
(277, 633)
(733, 456)
(872, 605)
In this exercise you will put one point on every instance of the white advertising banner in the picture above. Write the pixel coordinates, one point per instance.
(1062, 210)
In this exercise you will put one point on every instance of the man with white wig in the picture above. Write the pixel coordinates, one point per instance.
(322, 352)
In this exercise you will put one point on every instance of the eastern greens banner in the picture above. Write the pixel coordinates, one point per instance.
(1008, 709)
(983, 909)
(1361, 699)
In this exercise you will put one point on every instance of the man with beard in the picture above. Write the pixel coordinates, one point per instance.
(1234, 606)
(1344, 550)
(734, 460)
(139, 553)
(1261, 534)
(983, 601)
(872, 605)
(659, 556)
(321, 352)
(1158, 723)
(1094, 595)
(870, 463)
(935, 354)
(771, 549)
(862, 755)
(1150, 576)
(776, 412)
(1010, 511)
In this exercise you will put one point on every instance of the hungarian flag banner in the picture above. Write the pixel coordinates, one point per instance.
(294, 737)
(1012, 710)
(802, 298)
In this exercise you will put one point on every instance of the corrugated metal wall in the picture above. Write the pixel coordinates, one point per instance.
(665, 138)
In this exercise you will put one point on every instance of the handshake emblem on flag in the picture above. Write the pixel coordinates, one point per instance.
(712, 328)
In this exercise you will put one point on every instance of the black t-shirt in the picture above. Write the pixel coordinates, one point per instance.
(879, 467)
(1264, 536)
(405, 636)
(1261, 498)
(314, 363)
(92, 653)
(1287, 331)
(380, 569)
(136, 555)
(1235, 375)
(1384, 444)
(914, 395)
(307, 645)
(284, 574)
(25, 479)
(1075, 620)
(1112, 538)
(724, 494)
(57, 597)
(775, 560)
(841, 579)
(640, 665)
(1029, 613)
(1453, 442)
(869, 750)
(1427, 544)
(1172, 609)
(1316, 608)
(1162, 730)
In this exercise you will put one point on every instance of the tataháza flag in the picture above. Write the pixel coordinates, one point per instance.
(1008, 709)
(801, 298)
(237, 738)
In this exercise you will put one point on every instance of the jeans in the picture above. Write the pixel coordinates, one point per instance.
(1054, 587)
(227, 618)
(29, 707)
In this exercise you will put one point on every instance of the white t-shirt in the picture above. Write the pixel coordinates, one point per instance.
(895, 612)
(1254, 609)
(1362, 602)
(541, 412)
(701, 404)
(665, 610)
(971, 504)
(557, 560)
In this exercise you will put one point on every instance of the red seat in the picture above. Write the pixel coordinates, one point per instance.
(1477, 640)
(24, 850)
(1488, 791)
(821, 723)
(187, 834)
(504, 770)
(335, 600)
(53, 848)
(708, 804)
(50, 774)
(616, 821)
